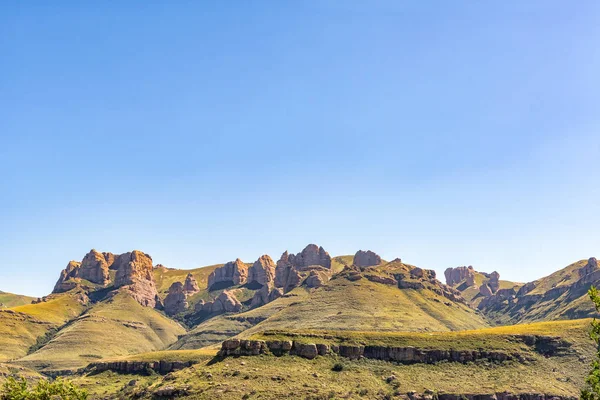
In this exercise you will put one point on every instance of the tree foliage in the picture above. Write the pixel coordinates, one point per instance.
(17, 389)
(592, 391)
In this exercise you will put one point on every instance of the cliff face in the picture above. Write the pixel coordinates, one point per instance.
(133, 273)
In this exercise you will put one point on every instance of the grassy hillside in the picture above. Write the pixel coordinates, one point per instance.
(115, 327)
(270, 377)
(20, 327)
(8, 300)
(561, 295)
(342, 305)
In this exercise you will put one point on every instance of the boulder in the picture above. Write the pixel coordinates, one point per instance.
(366, 259)
(190, 285)
(232, 273)
(175, 302)
(262, 271)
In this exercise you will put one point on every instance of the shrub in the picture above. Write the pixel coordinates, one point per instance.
(337, 367)
(14, 389)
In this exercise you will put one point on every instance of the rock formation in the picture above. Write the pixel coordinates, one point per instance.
(176, 302)
(190, 286)
(226, 302)
(485, 290)
(262, 271)
(134, 272)
(94, 268)
(311, 255)
(265, 295)
(366, 259)
(292, 269)
(458, 274)
(230, 274)
(66, 281)
(591, 266)
(316, 279)
(494, 282)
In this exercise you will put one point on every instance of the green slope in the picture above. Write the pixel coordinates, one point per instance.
(8, 300)
(342, 304)
(115, 327)
(20, 327)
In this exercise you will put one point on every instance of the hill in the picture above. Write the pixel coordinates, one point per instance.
(370, 299)
(8, 300)
(114, 327)
(534, 370)
(23, 327)
(561, 295)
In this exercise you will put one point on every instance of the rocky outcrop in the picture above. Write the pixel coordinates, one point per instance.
(485, 290)
(262, 271)
(231, 274)
(226, 302)
(94, 268)
(365, 259)
(494, 282)
(311, 255)
(176, 300)
(134, 273)
(590, 267)
(66, 280)
(190, 286)
(292, 269)
(458, 274)
(316, 278)
(405, 355)
(139, 367)
(265, 295)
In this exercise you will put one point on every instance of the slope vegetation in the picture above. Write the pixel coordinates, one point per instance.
(8, 300)
(114, 327)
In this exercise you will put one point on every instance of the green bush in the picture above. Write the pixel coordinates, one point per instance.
(337, 367)
(14, 389)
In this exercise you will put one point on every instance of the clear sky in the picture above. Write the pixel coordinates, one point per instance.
(444, 133)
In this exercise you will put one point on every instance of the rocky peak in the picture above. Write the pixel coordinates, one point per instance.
(311, 255)
(134, 271)
(262, 271)
(494, 282)
(65, 281)
(190, 286)
(366, 259)
(175, 302)
(458, 274)
(230, 274)
(94, 268)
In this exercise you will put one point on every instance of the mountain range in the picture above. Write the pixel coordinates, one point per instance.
(391, 328)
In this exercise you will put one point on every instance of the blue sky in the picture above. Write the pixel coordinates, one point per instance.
(444, 133)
